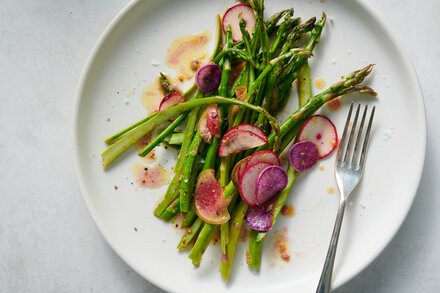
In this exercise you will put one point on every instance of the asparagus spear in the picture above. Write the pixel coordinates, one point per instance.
(130, 138)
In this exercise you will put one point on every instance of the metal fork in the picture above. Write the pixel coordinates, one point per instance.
(350, 163)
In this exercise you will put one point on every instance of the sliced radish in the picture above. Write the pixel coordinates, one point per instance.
(208, 77)
(238, 170)
(270, 182)
(249, 127)
(209, 201)
(239, 140)
(169, 101)
(303, 155)
(261, 156)
(232, 18)
(264, 156)
(321, 131)
(260, 218)
(209, 123)
(248, 182)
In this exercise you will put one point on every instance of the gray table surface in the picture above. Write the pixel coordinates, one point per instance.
(48, 241)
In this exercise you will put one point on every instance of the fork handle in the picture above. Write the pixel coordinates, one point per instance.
(326, 275)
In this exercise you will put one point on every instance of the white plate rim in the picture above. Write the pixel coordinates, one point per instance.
(76, 155)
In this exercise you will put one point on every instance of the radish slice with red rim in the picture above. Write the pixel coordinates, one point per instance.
(260, 218)
(232, 18)
(248, 182)
(270, 182)
(264, 156)
(322, 132)
(239, 140)
(209, 123)
(303, 155)
(169, 101)
(210, 203)
(238, 170)
(208, 77)
(261, 156)
(250, 128)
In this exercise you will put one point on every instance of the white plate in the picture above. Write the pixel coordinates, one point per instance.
(353, 37)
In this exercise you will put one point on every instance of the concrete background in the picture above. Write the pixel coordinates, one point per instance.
(48, 241)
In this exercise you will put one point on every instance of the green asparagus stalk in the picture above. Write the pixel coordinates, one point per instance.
(189, 218)
(202, 243)
(171, 211)
(130, 138)
(234, 232)
(161, 136)
(171, 194)
(176, 138)
(253, 255)
(188, 176)
(192, 232)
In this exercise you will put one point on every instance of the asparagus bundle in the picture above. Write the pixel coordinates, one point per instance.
(227, 119)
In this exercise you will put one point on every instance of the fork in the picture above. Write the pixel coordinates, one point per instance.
(349, 167)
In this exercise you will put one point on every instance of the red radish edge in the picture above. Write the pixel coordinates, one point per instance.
(238, 170)
(248, 127)
(324, 135)
(264, 156)
(169, 101)
(234, 22)
(231, 145)
(209, 123)
(248, 182)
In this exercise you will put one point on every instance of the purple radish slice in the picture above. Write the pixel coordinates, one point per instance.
(239, 140)
(261, 156)
(270, 182)
(169, 101)
(248, 182)
(264, 156)
(322, 132)
(232, 18)
(250, 128)
(208, 77)
(303, 155)
(210, 203)
(260, 218)
(209, 123)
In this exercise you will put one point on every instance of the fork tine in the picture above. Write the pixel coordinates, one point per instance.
(367, 138)
(351, 138)
(344, 138)
(356, 155)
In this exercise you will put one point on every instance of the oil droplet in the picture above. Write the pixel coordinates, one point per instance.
(280, 247)
(151, 177)
(244, 233)
(142, 143)
(151, 97)
(288, 211)
(186, 51)
(319, 83)
(215, 238)
(321, 167)
(334, 105)
(330, 190)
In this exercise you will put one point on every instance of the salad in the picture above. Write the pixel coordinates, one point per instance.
(228, 171)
